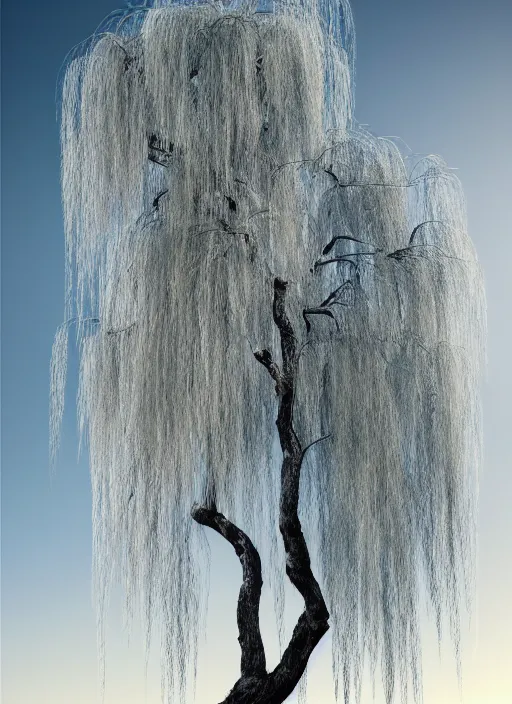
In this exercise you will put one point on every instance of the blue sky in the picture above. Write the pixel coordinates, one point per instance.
(436, 74)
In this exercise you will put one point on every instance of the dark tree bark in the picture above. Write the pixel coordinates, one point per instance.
(256, 685)
(247, 615)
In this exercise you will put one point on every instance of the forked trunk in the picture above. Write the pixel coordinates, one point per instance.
(256, 685)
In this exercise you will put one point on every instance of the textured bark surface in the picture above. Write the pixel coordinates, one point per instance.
(255, 685)
(251, 645)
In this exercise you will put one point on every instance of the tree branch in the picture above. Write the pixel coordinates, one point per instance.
(344, 258)
(346, 289)
(265, 358)
(298, 564)
(253, 654)
(311, 444)
(317, 311)
(331, 244)
(156, 201)
(255, 686)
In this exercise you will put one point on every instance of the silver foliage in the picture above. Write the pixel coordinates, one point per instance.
(255, 165)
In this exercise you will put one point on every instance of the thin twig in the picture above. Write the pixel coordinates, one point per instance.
(324, 437)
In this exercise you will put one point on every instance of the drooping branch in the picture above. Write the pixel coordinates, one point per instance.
(251, 644)
(317, 311)
(343, 295)
(156, 200)
(315, 442)
(343, 258)
(339, 238)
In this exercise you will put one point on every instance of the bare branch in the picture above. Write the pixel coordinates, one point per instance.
(317, 311)
(427, 222)
(333, 298)
(253, 653)
(156, 201)
(345, 258)
(298, 564)
(331, 244)
(315, 442)
(155, 160)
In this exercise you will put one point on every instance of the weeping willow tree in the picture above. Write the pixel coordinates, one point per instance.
(267, 298)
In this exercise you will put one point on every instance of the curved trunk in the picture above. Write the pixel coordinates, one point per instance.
(255, 685)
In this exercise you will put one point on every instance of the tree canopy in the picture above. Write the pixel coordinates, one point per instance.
(208, 150)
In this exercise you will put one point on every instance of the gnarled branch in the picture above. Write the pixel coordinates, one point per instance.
(255, 686)
(251, 644)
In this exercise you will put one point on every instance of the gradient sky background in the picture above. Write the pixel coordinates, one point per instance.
(436, 74)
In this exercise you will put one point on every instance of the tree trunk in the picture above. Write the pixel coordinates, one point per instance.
(256, 685)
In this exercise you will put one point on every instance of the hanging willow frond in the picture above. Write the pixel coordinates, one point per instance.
(180, 123)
